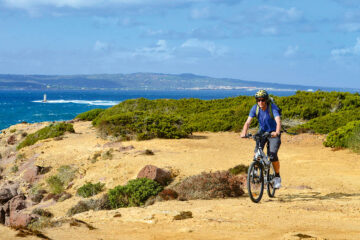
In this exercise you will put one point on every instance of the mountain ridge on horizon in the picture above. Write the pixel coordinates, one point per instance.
(140, 81)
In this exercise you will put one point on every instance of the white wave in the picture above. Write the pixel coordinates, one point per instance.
(89, 102)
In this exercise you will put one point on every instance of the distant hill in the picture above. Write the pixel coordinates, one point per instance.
(136, 81)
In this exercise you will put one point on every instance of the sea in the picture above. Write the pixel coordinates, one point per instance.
(18, 106)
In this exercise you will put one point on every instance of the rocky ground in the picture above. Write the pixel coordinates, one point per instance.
(319, 199)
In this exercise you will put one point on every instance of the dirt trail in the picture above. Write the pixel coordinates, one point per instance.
(320, 197)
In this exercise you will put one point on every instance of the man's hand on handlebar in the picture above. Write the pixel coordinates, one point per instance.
(274, 134)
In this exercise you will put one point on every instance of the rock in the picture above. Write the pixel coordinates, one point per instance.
(20, 219)
(31, 174)
(8, 191)
(154, 173)
(11, 140)
(64, 196)
(17, 203)
(168, 194)
(38, 196)
(5, 195)
(17, 217)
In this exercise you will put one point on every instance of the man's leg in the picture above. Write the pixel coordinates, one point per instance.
(273, 148)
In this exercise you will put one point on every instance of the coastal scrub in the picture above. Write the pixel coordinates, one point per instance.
(51, 131)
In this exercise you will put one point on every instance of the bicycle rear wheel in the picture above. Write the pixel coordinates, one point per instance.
(255, 181)
(270, 182)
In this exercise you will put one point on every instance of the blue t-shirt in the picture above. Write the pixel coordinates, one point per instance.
(267, 123)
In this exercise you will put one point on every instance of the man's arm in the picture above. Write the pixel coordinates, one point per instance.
(246, 127)
(278, 127)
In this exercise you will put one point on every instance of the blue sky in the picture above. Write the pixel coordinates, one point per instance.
(303, 42)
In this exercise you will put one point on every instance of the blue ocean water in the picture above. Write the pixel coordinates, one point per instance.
(18, 106)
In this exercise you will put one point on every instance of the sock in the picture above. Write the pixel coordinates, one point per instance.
(277, 174)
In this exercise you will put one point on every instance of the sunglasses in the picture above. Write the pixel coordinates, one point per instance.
(261, 100)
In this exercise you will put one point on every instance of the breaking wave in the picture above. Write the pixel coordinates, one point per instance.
(88, 102)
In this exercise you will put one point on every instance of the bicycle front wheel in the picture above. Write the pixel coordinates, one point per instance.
(270, 182)
(255, 181)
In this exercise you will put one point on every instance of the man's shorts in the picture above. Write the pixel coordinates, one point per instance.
(273, 145)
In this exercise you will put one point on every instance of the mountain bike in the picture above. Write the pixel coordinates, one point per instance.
(261, 172)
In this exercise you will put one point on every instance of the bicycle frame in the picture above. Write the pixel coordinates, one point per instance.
(261, 157)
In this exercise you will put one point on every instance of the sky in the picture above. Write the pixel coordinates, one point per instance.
(307, 42)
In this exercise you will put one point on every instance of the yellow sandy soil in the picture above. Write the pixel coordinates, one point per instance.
(319, 198)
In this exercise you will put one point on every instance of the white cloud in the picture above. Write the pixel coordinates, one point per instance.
(350, 27)
(200, 13)
(271, 13)
(350, 51)
(160, 51)
(270, 31)
(291, 51)
(101, 46)
(205, 45)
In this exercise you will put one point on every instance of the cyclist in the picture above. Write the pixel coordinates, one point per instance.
(269, 122)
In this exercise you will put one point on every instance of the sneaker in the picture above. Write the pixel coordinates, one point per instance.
(277, 182)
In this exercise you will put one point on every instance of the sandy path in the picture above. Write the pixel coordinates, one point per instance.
(319, 199)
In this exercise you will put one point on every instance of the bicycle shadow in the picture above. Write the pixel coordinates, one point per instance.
(312, 196)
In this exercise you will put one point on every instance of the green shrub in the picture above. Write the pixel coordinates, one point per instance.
(143, 126)
(55, 184)
(13, 130)
(66, 174)
(329, 122)
(345, 136)
(134, 193)
(51, 131)
(90, 115)
(354, 140)
(239, 169)
(89, 189)
(14, 169)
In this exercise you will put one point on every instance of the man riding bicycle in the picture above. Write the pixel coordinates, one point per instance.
(268, 116)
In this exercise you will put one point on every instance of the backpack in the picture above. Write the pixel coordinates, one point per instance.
(270, 109)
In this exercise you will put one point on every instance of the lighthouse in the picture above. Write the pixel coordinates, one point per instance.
(44, 100)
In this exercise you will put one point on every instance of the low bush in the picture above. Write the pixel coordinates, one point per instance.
(14, 169)
(90, 115)
(239, 169)
(328, 123)
(65, 174)
(142, 126)
(92, 204)
(220, 184)
(55, 184)
(13, 130)
(134, 193)
(89, 189)
(51, 131)
(344, 137)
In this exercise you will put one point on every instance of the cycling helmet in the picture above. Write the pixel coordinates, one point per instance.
(262, 94)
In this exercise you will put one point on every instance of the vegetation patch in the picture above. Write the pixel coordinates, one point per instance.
(328, 123)
(344, 137)
(142, 126)
(55, 184)
(134, 193)
(183, 215)
(90, 115)
(51, 131)
(63, 177)
(238, 169)
(220, 184)
(82, 206)
(90, 189)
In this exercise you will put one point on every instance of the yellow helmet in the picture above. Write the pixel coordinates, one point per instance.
(262, 94)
